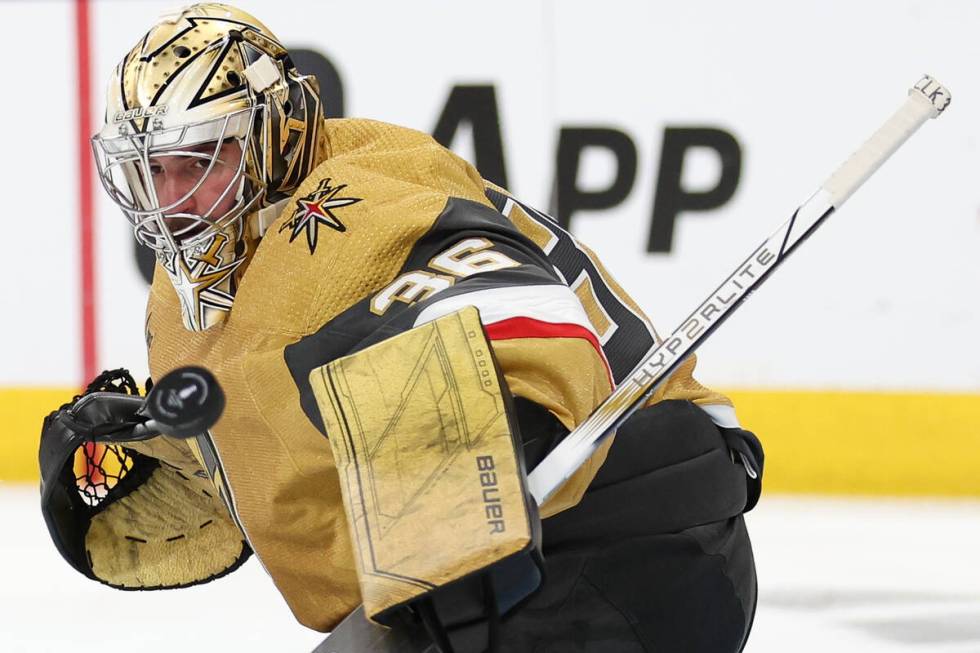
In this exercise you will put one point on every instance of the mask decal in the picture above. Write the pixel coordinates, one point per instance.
(204, 280)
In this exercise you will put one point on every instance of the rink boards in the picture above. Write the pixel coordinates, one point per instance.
(857, 363)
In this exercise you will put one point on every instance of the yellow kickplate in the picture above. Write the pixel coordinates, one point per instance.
(22, 411)
(878, 443)
(897, 444)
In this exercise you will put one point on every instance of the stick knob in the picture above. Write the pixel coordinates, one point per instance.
(932, 92)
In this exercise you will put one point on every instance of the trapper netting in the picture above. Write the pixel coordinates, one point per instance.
(99, 467)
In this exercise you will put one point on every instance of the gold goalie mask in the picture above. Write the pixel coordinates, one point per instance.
(208, 126)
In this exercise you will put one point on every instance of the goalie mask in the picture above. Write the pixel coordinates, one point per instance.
(208, 127)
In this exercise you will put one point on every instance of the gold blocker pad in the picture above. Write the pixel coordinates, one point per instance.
(429, 472)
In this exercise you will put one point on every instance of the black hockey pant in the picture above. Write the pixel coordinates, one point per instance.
(656, 557)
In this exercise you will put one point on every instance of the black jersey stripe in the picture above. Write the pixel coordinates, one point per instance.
(358, 327)
(633, 337)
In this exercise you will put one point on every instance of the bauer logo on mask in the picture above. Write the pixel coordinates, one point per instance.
(140, 112)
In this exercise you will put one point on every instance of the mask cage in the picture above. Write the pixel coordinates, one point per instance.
(126, 166)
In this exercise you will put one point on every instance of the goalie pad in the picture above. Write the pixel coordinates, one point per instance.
(432, 480)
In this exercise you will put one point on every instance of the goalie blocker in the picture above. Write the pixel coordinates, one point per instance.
(431, 450)
(423, 432)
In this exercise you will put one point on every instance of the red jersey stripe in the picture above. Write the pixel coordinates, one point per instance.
(525, 327)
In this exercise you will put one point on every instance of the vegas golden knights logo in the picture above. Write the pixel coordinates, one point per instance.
(317, 209)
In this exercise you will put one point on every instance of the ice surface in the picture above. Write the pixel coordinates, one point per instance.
(866, 575)
(835, 575)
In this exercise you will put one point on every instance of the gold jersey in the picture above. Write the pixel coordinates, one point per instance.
(390, 231)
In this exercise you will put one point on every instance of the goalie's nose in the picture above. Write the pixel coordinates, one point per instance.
(174, 188)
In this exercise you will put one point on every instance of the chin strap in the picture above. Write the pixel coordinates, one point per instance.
(266, 217)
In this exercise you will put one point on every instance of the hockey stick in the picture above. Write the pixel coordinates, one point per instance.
(927, 99)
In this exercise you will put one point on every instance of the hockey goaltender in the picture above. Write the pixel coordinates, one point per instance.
(399, 341)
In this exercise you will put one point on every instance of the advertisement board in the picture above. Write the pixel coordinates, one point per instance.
(669, 137)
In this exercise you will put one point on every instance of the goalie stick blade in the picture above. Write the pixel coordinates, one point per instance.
(356, 634)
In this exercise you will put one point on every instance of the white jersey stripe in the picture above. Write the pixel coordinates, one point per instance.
(555, 303)
(721, 414)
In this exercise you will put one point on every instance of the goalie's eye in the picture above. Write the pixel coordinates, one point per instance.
(156, 169)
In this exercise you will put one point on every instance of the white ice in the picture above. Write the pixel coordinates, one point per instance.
(835, 575)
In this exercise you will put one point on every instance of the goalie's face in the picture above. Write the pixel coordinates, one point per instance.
(183, 180)
(179, 186)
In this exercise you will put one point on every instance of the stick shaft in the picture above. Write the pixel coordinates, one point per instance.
(927, 99)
